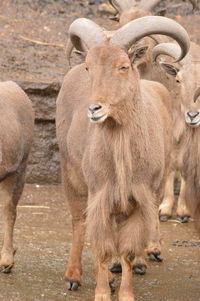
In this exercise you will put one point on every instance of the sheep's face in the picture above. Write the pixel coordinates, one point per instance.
(112, 82)
(192, 115)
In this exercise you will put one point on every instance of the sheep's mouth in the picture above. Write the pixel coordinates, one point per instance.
(97, 119)
(193, 123)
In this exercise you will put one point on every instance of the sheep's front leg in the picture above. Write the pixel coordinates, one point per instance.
(126, 287)
(102, 292)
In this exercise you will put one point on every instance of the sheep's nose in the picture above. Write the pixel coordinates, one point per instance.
(95, 107)
(192, 115)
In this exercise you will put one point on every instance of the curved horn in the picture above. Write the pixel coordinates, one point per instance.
(82, 47)
(69, 48)
(194, 3)
(68, 51)
(149, 5)
(196, 94)
(85, 32)
(137, 29)
(169, 49)
(122, 5)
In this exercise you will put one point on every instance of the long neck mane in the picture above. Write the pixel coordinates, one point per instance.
(126, 144)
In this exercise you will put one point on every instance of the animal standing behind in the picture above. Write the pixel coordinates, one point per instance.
(16, 124)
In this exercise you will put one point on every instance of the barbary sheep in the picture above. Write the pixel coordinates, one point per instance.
(16, 123)
(114, 160)
(192, 157)
(186, 87)
(129, 10)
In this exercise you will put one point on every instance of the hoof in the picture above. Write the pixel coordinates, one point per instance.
(112, 286)
(164, 217)
(6, 269)
(155, 257)
(73, 285)
(116, 268)
(140, 269)
(183, 218)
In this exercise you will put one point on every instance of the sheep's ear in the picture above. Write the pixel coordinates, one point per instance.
(137, 53)
(170, 69)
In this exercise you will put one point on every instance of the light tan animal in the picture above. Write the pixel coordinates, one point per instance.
(16, 124)
(192, 157)
(186, 87)
(130, 10)
(114, 160)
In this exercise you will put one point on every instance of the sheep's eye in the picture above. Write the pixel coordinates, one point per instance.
(124, 68)
(86, 68)
(178, 81)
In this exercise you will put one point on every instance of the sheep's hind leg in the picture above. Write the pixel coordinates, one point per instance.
(139, 265)
(74, 267)
(182, 211)
(102, 291)
(165, 208)
(126, 287)
(77, 204)
(11, 190)
(154, 245)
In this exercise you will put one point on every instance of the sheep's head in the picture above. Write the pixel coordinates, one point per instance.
(112, 73)
(113, 82)
(192, 113)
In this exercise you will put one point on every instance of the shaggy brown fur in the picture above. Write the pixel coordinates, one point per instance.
(192, 173)
(16, 123)
(113, 170)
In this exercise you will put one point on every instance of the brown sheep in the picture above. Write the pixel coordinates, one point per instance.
(130, 10)
(16, 123)
(192, 157)
(113, 167)
(186, 87)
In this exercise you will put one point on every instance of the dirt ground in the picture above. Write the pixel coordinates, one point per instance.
(26, 25)
(43, 239)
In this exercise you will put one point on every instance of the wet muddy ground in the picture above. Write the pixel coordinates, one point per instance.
(43, 239)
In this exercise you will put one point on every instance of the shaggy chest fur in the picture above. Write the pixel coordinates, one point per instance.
(114, 165)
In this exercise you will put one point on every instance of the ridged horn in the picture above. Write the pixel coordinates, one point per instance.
(122, 5)
(82, 46)
(84, 33)
(69, 48)
(196, 94)
(149, 5)
(170, 49)
(194, 3)
(137, 29)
